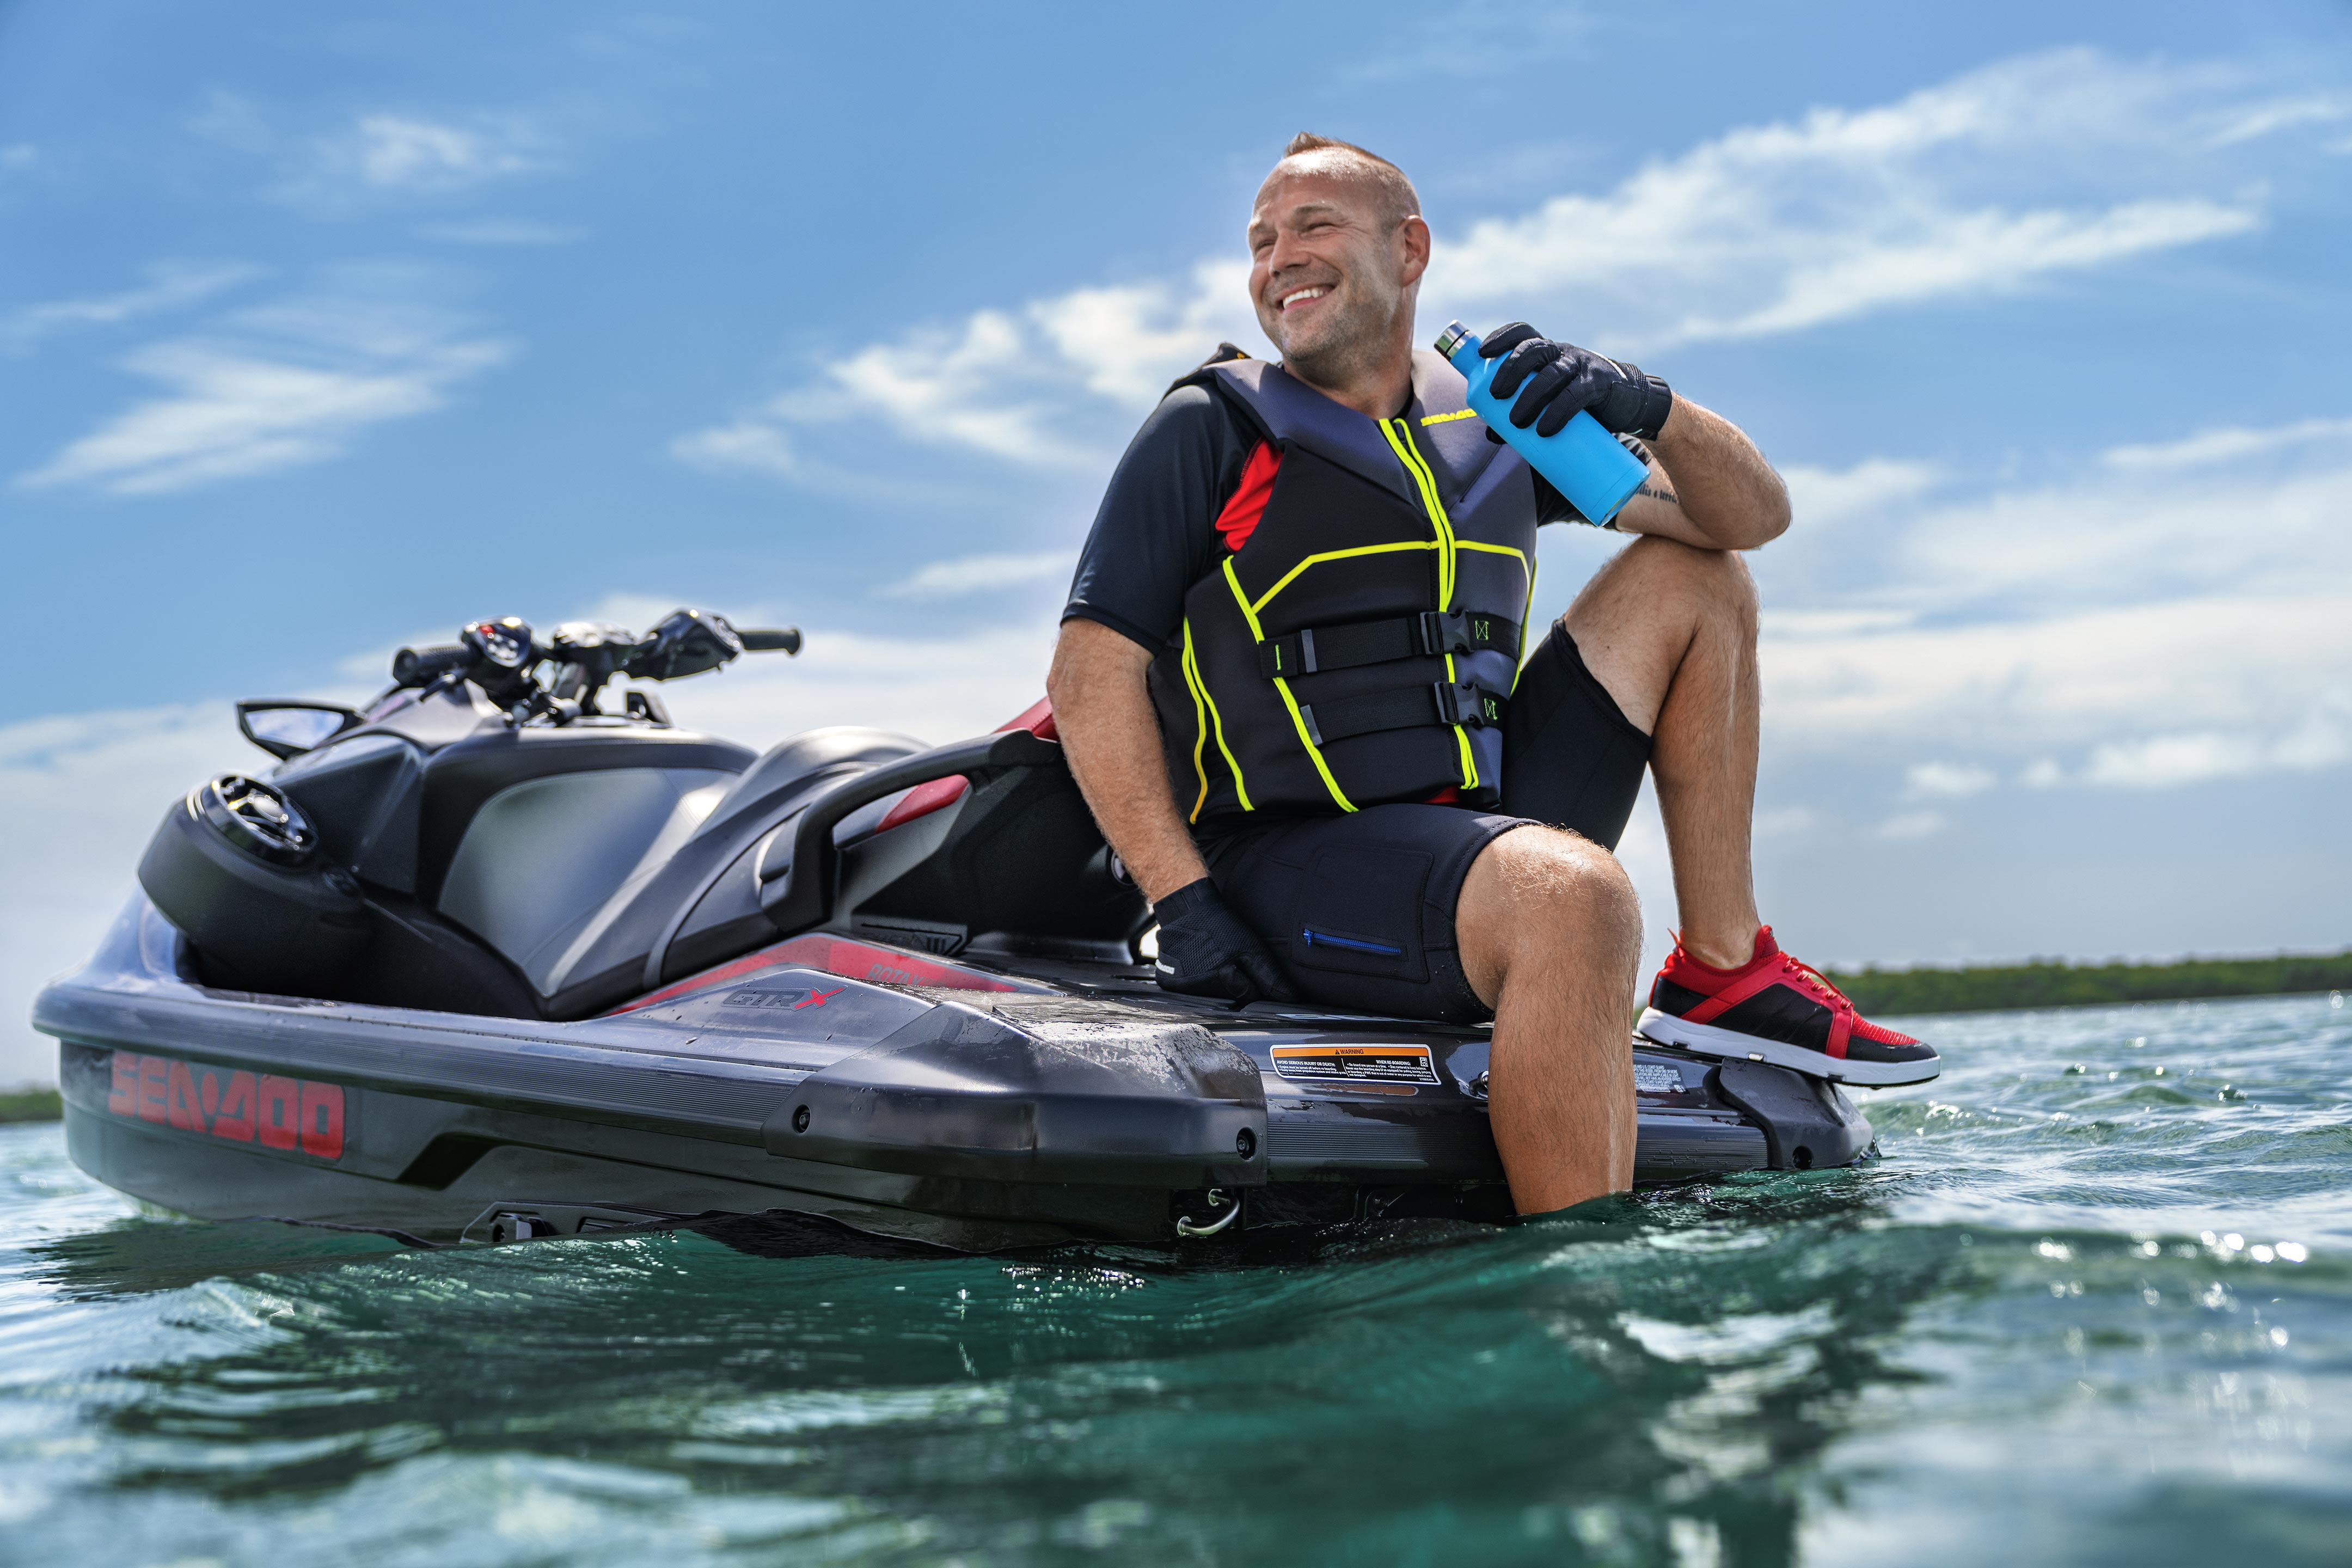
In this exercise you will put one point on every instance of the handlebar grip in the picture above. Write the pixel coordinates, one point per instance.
(422, 666)
(787, 640)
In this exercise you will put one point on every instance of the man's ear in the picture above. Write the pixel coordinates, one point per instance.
(1411, 250)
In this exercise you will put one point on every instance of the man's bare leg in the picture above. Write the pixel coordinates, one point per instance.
(1670, 631)
(1550, 935)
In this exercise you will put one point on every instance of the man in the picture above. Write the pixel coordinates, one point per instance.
(1288, 681)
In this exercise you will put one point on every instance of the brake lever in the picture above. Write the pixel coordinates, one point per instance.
(557, 711)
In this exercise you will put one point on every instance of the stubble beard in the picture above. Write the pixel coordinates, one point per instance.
(1348, 348)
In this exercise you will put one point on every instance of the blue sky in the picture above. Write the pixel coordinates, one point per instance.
(324, 329)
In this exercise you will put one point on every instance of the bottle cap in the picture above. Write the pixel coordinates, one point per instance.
(1451, 338)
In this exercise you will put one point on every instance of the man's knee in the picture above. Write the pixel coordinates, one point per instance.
(1719, 578)
(1536, 893)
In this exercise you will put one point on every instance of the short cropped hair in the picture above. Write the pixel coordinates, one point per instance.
(1386, 180)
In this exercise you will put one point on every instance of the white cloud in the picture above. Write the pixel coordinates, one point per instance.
(2226, 444)
(1948, 781)
(509, 232)
(2323, 741)
(2027, 688)
(2037, 166)
(2121, 537)
(1910, 824)
(384, 156)
(400, 153)
(2281, 114)
(276, 387)
(2098, 631)
(1960, 254)
(1823, 496)
(170, 286)
(979, 574)
(746, 444)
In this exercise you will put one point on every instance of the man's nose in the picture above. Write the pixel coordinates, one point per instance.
(1287, 252)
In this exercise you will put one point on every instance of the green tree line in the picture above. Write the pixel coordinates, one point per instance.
(2051, 983)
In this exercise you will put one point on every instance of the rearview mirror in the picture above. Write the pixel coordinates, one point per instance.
(289, 729)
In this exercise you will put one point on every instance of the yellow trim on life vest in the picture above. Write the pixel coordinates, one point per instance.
(1292, 575)
(1461, 736)
(1428, 419)
(1525, 617)
(1200, 721)
(1297, 721)
(1401, 442)
(1217, 722)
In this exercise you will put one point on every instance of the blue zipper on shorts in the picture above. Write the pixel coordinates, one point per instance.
(1313, 936)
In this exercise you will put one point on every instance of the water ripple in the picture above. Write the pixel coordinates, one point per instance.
(2095, 1304)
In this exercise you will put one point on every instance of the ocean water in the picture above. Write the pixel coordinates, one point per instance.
(2094, 1305)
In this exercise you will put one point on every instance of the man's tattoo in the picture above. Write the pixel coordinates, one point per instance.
(1658, 489)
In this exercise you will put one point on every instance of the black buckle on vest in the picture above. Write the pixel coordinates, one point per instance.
(1291, 656)
(1352, 646)
(1466, 631)
(1463, 703)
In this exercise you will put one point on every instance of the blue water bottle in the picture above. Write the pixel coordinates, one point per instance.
(1583, 462)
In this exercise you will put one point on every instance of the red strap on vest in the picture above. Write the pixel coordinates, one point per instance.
(1239, 519)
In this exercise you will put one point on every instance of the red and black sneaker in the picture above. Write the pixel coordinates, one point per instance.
(1775, 1008)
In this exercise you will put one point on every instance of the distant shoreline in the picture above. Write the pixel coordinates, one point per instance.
(1984, 988)
(30, 1105)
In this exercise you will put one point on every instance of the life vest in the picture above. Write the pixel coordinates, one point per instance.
(1360, 644)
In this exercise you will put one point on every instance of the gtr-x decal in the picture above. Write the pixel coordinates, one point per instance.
(795, 997)
(287, 1113)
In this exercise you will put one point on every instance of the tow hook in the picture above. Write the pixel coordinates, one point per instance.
(1185, 1227)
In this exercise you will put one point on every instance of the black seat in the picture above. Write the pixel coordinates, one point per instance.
(682, 911)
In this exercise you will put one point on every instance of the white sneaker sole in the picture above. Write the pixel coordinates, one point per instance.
(1709, 1041)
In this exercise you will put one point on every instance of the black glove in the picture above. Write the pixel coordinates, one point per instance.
(1560, 379)
(1206, 950)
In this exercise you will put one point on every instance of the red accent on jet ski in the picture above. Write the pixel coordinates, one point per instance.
(1239, 518)
(280, 1113)
(924, 799)
(834, 956)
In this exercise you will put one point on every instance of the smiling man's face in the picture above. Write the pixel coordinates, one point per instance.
(1332, 270)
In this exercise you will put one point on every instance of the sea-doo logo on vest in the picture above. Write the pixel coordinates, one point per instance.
(290, 1114)
(794, 997)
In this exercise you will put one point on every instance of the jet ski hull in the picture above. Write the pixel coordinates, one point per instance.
(961, 1105)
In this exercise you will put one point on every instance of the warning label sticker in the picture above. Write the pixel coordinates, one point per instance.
(1655, 1078)
(1358, 1064)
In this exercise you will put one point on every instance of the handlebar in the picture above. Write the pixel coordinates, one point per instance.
(422, 666)
(684, 644)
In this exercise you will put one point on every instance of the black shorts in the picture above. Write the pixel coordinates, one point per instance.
(1359, 908)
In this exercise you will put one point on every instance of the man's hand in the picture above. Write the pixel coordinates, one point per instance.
(1206, 951)
(1556, 381)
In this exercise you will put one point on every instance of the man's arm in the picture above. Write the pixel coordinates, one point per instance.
(1103, 712)
(1708, 486)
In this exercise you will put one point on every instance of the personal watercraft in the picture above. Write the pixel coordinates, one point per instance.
(484, 961)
